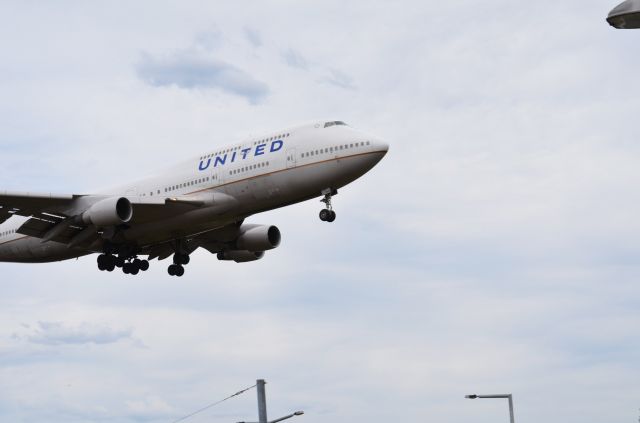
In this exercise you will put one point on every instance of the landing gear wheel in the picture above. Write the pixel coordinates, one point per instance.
(119, 261)
(126, 268)
(179, 271)
(144, 265)
(332, 216)
(176, 270)
(102, 265)
(181, 259)
(325, 214)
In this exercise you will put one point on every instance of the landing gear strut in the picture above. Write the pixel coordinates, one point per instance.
(328, 215)
(179, 261)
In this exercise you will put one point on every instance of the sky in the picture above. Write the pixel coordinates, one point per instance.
(493, 250)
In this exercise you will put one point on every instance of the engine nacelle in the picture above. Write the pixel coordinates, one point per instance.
(240, 256)
(258, 237)
(108, 212)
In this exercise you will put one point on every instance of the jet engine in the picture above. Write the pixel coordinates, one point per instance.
(108, 212)
(240, 256)
(258, 238)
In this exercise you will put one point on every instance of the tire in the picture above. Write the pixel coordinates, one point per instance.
(144, 265)
(119, 261)
(324, 215)
(171, 270)
(126, 268)
(101, 262)
(185, 259)
(134, 270)
(110, 267)
(332, 216)
(179, 271)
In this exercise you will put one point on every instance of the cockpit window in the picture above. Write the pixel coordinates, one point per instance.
(335, 122)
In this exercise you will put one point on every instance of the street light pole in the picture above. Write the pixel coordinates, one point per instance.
(262, 405)
(508, 396)
(262, 401)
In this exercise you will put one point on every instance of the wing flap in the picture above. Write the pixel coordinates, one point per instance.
(40, 224)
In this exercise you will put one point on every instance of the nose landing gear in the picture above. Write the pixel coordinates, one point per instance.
(328, 215)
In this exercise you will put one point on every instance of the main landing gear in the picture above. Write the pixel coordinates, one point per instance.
(130, 265)
(179, 261)
(328, 215)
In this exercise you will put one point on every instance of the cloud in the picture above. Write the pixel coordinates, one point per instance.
(148, 407)
(209, 40)
(192, 69)
(295, 59)
(57, 333)
(253, 37)
(339, 79)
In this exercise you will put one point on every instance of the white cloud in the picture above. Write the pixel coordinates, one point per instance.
(57, 333)
(191, 70)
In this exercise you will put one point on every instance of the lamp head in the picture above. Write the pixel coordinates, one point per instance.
(626, 15)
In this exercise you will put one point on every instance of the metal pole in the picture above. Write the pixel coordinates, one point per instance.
(262, 401)
(508, 396)
(511, 408)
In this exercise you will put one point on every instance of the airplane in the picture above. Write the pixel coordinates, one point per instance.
(200, 203)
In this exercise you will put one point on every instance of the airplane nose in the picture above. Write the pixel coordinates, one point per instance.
(381, 145)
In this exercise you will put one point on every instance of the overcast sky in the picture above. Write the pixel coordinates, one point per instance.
(493, 250)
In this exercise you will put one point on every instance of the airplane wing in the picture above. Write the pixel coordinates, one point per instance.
(56, 217)
(29, 204)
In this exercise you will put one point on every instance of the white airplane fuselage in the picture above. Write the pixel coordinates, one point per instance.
(234, 182)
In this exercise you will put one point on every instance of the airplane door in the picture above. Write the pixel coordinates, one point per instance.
(216, 177)
(291, 157)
